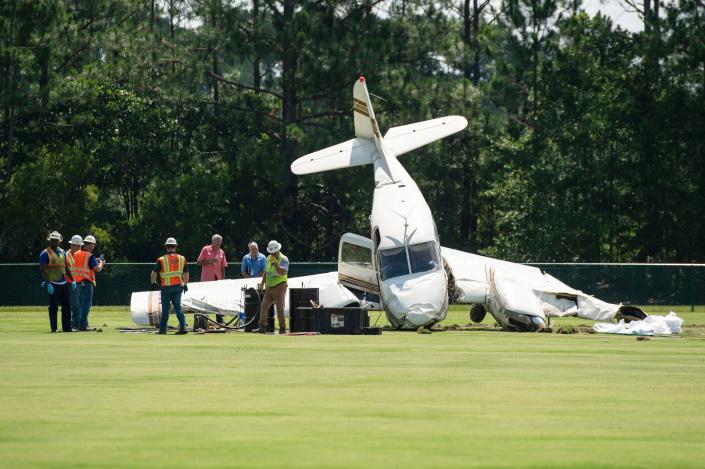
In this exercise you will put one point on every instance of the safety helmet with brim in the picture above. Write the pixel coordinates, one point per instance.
(77, 240)
(55, 235)
(89, 239)
(273, 247)
(170, 242)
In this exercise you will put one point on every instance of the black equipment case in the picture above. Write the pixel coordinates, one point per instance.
(334, 320)
(301, 298)
(252, 304)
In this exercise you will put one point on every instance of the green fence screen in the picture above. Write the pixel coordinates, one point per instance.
(641, 284)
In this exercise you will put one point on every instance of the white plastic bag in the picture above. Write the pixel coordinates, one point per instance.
(652, 325)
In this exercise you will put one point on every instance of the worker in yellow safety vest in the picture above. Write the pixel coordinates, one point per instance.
(275, 277)
(57, 279)
(173, 281)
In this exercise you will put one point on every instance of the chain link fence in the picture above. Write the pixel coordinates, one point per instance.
(641, 284)
(115, 283)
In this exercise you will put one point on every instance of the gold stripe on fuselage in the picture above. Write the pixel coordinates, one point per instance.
(374, 288)
(375, 128)
(360, 107)
(361, 111)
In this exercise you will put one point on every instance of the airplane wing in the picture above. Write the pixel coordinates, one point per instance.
(354, 152)
(226, 297)
(405, 138)
(506, 287)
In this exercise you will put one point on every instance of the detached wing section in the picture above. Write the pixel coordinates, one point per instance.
(355, 152)
(510, 291)
(405, 138)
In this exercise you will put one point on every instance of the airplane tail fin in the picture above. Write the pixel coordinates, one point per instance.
(355, 152)
(369, 142)
(365, 122)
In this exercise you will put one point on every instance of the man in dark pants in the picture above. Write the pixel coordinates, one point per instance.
(174, 276)
(57, 280)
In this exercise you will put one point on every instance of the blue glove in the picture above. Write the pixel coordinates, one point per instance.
(43, 285)
(73, 285)
(50, 288)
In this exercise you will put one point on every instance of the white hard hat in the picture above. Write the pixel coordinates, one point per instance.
(89, 239)
(76, 239)
(273, 247)
(170, 242)
(55, 235)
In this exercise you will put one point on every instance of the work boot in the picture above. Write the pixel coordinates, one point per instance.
(181, 332)
(261, 330)
(161, 332)
(282, 330)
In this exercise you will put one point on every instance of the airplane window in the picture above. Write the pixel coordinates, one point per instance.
(357, 255)
(393, 263)
(424, 257)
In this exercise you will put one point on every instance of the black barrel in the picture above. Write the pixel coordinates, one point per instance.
(252, 304)
(301, 298)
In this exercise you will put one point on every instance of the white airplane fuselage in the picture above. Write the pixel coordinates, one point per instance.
(407, 258)
(406, 254)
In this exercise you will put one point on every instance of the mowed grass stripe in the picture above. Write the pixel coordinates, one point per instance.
(476, 398)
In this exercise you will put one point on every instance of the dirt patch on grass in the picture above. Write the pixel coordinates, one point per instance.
(695, 331)
(465, 327)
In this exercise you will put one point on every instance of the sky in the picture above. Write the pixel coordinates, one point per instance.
(620, 12)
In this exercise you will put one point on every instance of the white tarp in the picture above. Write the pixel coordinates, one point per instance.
(651, 325)
(227, 297)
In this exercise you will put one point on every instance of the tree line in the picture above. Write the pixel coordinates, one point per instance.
(134, 120)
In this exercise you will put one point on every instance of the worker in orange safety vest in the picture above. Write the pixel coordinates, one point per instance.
(76, 242)
(86, 265)
(173, 281)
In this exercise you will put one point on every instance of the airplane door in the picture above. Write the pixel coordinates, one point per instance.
(355, 267)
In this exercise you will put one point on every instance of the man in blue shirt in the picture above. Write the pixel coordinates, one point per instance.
(254, 263)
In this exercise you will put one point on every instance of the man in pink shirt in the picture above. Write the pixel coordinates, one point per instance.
(213, 263)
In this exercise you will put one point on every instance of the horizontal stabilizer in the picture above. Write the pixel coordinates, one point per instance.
(405, 138)
(355, 152)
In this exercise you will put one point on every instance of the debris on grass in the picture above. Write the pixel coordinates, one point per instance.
(642, 338)
(567, 330)
(423, 330)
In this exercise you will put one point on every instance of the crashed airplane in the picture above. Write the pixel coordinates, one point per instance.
(402, 268)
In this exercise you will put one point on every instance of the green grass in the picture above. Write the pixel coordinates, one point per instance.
(474, 398)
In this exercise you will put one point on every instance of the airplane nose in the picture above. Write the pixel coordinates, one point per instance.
(416, 301)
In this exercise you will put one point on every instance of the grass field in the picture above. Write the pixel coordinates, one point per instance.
(471, 398)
